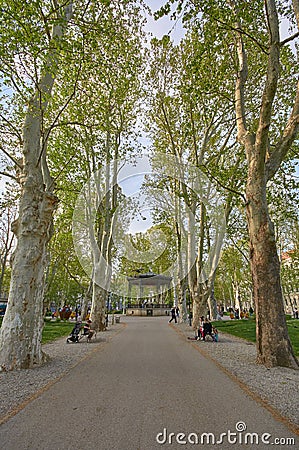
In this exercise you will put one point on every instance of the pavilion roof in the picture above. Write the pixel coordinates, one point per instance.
(149, 279)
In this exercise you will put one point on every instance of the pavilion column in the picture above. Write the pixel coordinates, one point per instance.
(140, 289)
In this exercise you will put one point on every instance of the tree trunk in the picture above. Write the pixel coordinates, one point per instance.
(86, 300)
(200, 303)
(237, 304)
(273, 344)
(182, 301)
(20, 335)
(3, 267)
(99, 291)
(101, 245)
(98, 308)
(8, 242)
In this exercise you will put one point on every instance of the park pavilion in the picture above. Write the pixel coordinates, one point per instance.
(149, 295)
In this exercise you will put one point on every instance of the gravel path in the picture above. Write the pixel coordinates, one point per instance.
(278, 387)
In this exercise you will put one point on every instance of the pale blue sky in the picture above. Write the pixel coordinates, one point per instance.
(130, 179)
(164, 25)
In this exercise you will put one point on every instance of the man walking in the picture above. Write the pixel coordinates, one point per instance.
(173, 315)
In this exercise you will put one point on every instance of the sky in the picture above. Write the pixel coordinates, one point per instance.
(132, 184)
(164, 25)
(130, 179)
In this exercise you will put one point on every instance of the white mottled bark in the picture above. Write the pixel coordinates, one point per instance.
(20, 335)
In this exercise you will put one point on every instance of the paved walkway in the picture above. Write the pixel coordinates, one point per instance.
(148, 381)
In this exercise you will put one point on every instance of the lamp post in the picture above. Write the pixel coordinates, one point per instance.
(190, 312)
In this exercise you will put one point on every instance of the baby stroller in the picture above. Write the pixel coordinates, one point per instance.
(74, 336)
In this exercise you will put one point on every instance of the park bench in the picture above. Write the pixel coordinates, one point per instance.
(78, 335)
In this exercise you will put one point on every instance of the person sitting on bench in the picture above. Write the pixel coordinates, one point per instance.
(87, 330)
(207, 329)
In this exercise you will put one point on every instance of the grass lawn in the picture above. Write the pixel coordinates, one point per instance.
(54, 330)
(246, 329)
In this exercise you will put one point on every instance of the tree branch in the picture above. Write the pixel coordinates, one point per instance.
(290, 38)
(58, 115)
(204, 168)
(240, 250)
(270, 88)
(72, 276)
(47, 30)
(284, 144)
(12, 127)
(11, 158)
(241, 31)
(291, 129)
(6, 174)
(62, 170)
(239, 90)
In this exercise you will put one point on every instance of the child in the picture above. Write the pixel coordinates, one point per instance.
(200, 329)
(215, 332)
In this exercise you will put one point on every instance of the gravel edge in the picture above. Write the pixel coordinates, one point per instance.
(278, 387)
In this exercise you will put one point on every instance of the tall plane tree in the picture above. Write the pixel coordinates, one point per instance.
(20, 336)
(265, 152)
(267, 126)
(113, 54)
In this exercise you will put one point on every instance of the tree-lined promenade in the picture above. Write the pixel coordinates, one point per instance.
(81, 86)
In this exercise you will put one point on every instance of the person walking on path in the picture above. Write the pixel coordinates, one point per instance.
(173, 315)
